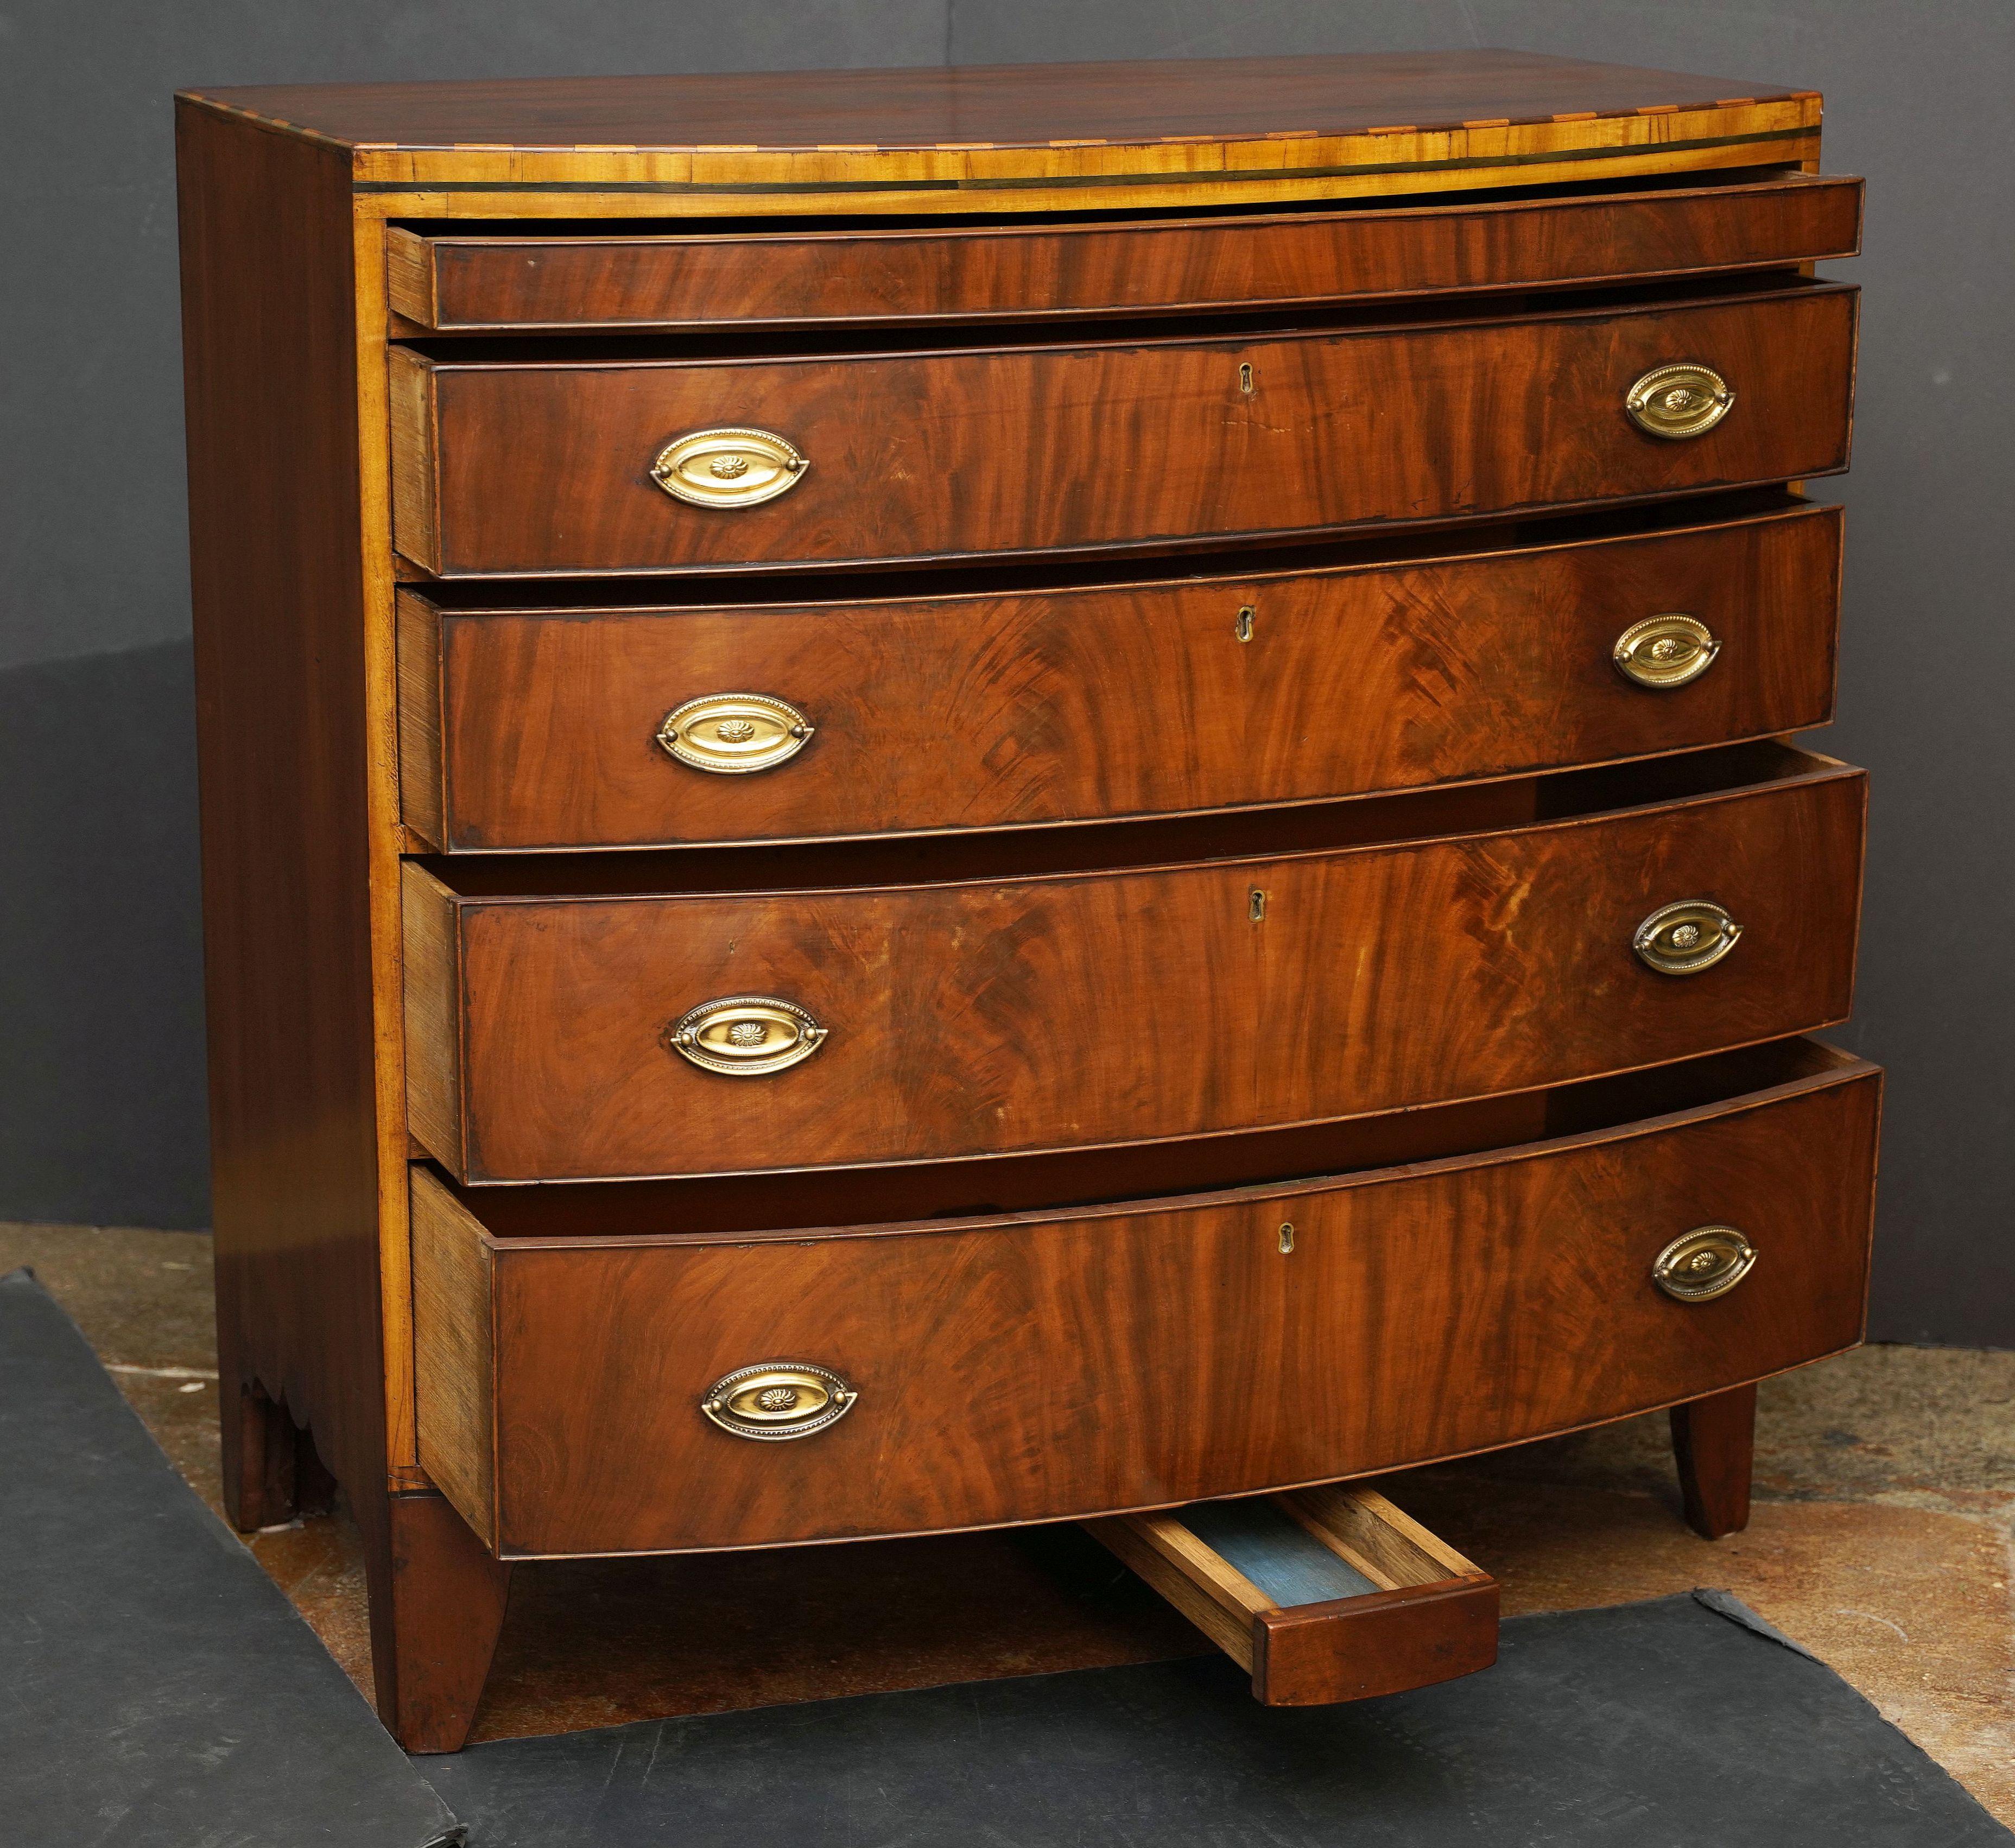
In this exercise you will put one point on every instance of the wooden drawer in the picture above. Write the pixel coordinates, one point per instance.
(479, 282)
(1325, 1595)
(1137, 981)
(543, 463)
(1075, 1361)
(1061, 705)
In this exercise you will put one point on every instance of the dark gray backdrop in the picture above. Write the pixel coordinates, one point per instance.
(100, 1049)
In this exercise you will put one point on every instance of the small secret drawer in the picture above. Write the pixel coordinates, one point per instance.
(1326, 1594)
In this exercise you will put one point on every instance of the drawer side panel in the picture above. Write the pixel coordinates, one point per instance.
(455, 1381)
(434, 975)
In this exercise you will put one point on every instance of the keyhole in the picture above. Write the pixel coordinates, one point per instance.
(1287, 1236)
(1255, 904)
(1243, 627)
(1245, 379)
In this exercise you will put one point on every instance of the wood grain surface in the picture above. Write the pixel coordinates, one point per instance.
(283, 746)
(994, 1015)
(1356, 1648)
(1057, 1365)
(1030, 139)
(528, 729)
(476, 280)
(270, 381)
(542, 466)
(996, 106)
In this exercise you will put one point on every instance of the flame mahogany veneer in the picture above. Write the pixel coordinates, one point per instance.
(1214, 856)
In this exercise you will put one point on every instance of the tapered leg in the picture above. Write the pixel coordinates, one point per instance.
(1713, 1440)
(437, 1598)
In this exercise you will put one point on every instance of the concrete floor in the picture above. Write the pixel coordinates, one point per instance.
(1881, 1539)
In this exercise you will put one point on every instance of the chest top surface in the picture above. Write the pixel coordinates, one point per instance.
(1314, 125)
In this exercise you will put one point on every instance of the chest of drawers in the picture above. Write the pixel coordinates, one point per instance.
(946, 799)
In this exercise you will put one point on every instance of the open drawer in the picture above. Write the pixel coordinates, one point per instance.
(1326, 1594)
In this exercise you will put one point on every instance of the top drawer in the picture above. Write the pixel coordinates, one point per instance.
(544, 465)
(456, 282)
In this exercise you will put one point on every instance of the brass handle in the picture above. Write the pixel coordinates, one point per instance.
(745, 1035)
(1684, 938)
(1665, 650)
(727, 468)
(732, 733)
(774, 1400)
(1679, 400)
(1701, 1264)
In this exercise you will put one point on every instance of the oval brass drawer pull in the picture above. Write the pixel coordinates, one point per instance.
(1703, 1264)
(776, 1399)
(1665, 650)
(732, 733)
(745, 1035)
(728, 467)
(1684, 938)
(1679, 400)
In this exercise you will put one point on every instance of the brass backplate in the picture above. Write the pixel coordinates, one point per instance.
(1679, 400)
(1686, 937)
(745, 1035)
(728, 467)
(731, 735)
(1703, 1264)
(776, 1400)
(1667, 650)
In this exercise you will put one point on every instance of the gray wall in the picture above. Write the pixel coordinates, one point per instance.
(100, 1036)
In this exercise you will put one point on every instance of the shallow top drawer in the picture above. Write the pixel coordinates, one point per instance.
(459, 282)
(547, 458)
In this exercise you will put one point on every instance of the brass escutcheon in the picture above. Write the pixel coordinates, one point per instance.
(1679, 400)
(1665, 650)
(1686, 937)
(745, 1035)
(733, 733)
(728, 467)
(1703, 1264)
(776, 1399)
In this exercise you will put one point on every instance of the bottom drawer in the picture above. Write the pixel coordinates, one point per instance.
(673, 1366)
(1326, 1595)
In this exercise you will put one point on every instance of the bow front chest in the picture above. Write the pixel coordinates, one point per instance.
(945, 799)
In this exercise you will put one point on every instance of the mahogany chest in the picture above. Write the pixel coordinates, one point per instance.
(950, 798)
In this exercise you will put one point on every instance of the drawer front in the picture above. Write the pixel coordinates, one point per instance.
(986, 1016)
(455, 282)
(546, 466)
(950, 712)
(1041, 1369)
